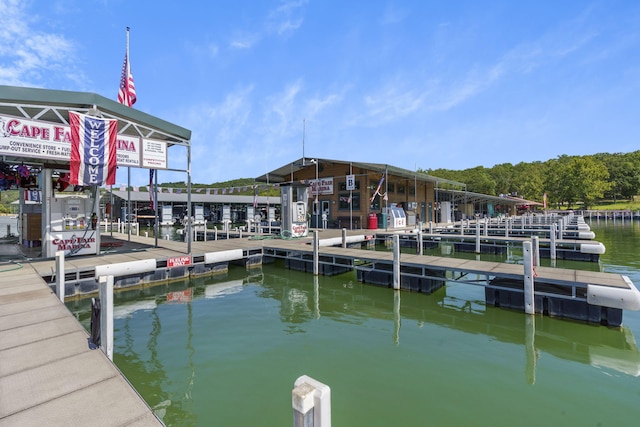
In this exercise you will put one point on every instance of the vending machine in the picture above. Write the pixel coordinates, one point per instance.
(294, 198)
(73, 226)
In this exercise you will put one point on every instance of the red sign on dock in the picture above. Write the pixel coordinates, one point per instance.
(178, 261)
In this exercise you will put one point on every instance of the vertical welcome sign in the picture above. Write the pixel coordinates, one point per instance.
(93, 150)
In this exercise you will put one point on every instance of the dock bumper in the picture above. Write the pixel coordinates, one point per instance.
(615, 297)
(125, 268)
(592, 248)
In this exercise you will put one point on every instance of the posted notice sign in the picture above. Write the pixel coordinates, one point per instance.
(154, 154)
(178, 261)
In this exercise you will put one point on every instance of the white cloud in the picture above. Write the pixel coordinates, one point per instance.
(28, 54)
(283, 20)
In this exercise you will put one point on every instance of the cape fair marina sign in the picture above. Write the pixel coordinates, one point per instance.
(43, 140)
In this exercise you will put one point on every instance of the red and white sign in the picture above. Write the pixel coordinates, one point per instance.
(299, 229)
(178, 261)
(72, 243)
(44, 140)
(321, 186)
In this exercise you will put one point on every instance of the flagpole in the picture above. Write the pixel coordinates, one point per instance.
(129, 216)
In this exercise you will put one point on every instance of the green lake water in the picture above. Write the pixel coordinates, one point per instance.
(230, 357)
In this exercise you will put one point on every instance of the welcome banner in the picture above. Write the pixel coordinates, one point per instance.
(93, 150)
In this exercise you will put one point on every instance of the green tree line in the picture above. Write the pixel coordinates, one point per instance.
(566, 180)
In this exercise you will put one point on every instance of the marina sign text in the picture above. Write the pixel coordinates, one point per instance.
(321, 186)
(44, 140)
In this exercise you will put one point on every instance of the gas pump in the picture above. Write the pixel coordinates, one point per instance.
(70, 228)
(294, 208)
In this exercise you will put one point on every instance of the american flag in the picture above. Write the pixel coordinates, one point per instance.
(127, 92)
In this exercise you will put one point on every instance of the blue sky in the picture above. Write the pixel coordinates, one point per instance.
(414, 84)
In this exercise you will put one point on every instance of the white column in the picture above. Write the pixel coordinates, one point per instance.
(529, 302)
(60, 275)
(311, 402)
(396, 262)
(316, 251)
(106, 315)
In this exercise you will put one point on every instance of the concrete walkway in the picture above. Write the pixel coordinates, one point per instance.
(48, 374)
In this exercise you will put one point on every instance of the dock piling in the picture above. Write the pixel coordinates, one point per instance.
(535, 243)
(396, 262)
(477, 237)
(311, 402)
(316, 252)
(106, 315)
(552, 243)
(529, 307)
(60, 275)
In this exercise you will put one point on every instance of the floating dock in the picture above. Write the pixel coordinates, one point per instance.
(48, 374)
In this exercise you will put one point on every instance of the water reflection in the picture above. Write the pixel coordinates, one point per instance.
(304, 299)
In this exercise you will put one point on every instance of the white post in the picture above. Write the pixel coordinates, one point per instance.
(316, 251)
(60, 275)
(552, 243)
(477, 237)
(506, 227)
(106, 315)
(430, 227)
(535, 243)
(529, 307)
(344, 237)
(396, 262)
(420, 250)
(486, 227)
(205, 230)
(311, 402)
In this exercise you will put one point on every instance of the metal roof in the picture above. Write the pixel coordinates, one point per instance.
(143, 196)
(470, 197)
(283, 174)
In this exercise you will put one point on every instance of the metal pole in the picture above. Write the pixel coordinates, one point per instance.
(317, 205)
(189, 198)
(128, 217)
(156, 226)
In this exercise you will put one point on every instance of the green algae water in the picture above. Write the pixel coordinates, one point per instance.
(229, 357)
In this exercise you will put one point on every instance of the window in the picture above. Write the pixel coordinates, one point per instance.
(400, 189)
(391, 188)
(343, 201)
